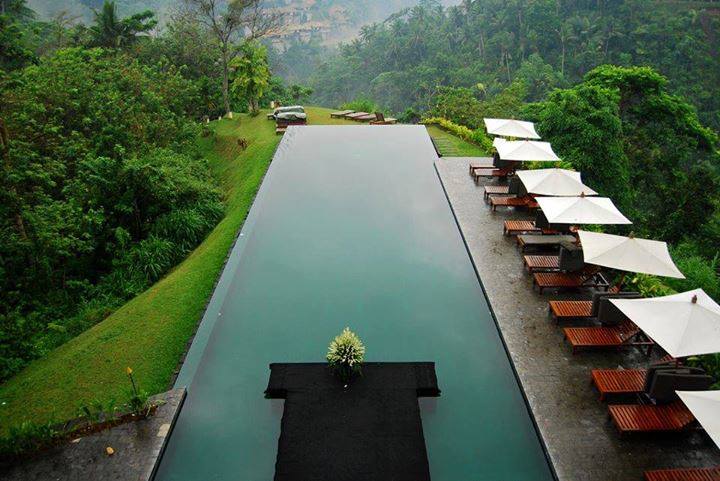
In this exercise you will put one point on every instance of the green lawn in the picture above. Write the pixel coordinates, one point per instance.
(150, 332)
(452, 146)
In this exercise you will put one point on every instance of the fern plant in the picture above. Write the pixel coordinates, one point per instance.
(346, 354)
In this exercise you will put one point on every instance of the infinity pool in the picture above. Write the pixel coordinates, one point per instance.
(351, 227)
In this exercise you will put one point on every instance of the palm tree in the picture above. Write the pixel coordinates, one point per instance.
(111, 31)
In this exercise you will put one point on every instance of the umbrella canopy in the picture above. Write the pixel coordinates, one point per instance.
(686, 324)
(581, 210)
(628, 254)
(705, 406)
(556, 182)
(525, 150)
(511, 128)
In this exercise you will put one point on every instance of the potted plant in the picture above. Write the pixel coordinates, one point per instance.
(346, 354)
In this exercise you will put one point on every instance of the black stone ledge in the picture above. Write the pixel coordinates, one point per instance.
(371, 430)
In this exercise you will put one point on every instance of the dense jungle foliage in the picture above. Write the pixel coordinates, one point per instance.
(485, 45)
(643, 130)
(103, 189)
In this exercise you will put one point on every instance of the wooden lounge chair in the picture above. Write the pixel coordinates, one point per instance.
(380, 119)
(570, 259)
(589, 277)
(490, 172)
(482, 163)
(541, 263)
(355, 115)
(496, 190)
(341, 114)
(525, 241)
(684, 474)
(525, 201)
(583, 309)
(364, 118)
(618, 381)
(515, 227)
(562, 310)
(605, 337)
(658, 383)
(644, 418)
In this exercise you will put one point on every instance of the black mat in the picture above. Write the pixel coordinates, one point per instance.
(372, 431)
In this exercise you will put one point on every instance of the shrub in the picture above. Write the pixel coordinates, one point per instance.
(360, 105)
(649, 286)
(346, 354)
(711, 364)
(700, 273)
(477, 137)
(27, 437)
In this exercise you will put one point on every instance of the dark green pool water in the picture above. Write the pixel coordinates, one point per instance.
(351, 228)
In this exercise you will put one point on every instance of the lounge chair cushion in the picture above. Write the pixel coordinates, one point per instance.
(597, 296)
(514, 186)
(570, 258)
(664, 383)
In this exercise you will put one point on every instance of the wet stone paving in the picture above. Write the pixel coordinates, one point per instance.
(137, 448)
(574, 425)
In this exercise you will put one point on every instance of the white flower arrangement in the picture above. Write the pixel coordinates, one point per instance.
(346, 354)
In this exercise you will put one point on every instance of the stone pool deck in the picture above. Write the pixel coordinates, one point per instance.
(138, 447)
(581, 441)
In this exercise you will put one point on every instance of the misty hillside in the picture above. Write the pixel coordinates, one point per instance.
(332, 20)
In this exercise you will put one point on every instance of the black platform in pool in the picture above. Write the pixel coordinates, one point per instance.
(371, 431)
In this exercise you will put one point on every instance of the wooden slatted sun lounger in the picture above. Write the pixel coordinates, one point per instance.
(603, 337)
(380, 119)
(365, 118)
(684, 474)
(581, 309)
(490, 172)
(341, 114)
(626, 381)
(570, 309)
(496, 190)
(541, 263)
(485, 163)
(524, 241)
(569, 280)
(356, 114)
(515, 227)
(618, 381)
(637, 418)
(525, 201)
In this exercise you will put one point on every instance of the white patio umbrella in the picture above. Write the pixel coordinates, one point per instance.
(525, 150)
(581, 210)
(555, 182)
(628, 254)
(686, 324)
(511, 128)
(705, 406)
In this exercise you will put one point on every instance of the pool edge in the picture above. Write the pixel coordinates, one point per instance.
(536, 427)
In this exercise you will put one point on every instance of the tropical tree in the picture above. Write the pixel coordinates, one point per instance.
(252, 74)
(239, 22)
(299, 92)
(111, 31)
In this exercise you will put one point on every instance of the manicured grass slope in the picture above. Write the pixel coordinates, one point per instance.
(451, 146)
(151, 331)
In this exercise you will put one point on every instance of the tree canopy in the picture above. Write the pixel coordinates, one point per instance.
(401, 62)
